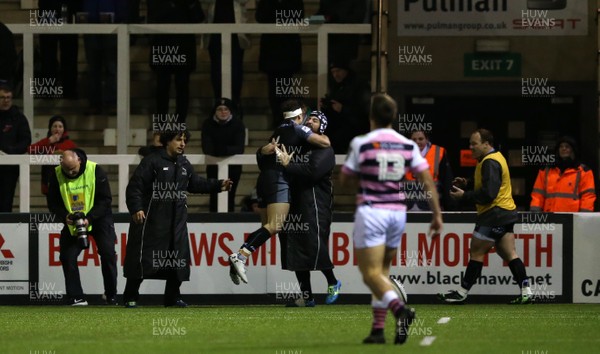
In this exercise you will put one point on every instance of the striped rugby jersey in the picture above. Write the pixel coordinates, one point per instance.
(380, 159)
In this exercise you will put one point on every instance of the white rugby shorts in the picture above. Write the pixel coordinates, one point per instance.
(377, 226)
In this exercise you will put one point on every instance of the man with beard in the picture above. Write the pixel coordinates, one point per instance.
(272, 186)
(158, 246)
(305, 241)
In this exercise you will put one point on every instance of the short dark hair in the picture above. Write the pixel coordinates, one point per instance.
(6, 88)
(486, 136)
(383, 109)
(290, 105)
(169, 135)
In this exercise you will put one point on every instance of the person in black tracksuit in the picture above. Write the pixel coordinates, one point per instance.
(224, 134)
(158, 242)
(103, 230)
(304, 246)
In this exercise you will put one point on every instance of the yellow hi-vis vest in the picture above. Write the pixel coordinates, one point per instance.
(504, 198)
(78, 194)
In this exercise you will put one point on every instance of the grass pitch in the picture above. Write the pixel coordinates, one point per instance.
(547, 328)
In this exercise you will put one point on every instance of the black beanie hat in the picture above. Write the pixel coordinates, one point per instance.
(224, 102)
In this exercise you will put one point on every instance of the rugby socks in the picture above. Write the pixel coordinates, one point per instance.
(328, 273)
(471, 275)
(517, 268)
(391, 301)
(379, 313)
(254, 241)
(304, 280)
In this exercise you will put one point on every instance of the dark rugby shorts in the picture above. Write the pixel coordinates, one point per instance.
(492, 233)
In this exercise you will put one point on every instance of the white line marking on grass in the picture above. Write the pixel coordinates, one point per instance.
(427, 341)
(443, 320)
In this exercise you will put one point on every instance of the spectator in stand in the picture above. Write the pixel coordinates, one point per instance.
(8, 56)
(101, 54)
(173, 54)
(56, 142)
(280, 55)
(566, 186)
(346, 106)
(15, 137)
(343, 46)
(227, 11)
(224, 134)
(66, 76)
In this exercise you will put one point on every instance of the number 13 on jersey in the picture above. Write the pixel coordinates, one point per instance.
(391, 166)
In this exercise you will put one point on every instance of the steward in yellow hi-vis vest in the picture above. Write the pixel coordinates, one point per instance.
(80, 186)
(496, 217)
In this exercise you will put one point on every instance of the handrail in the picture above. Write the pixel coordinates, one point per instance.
(123, 31)
(123, 162)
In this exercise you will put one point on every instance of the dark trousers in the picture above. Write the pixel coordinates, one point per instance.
(101, 56)
(9, 175)
(172, 293)
(104, 234)
(237, 67)
(67, 74)
(182, 92)
(235, 172)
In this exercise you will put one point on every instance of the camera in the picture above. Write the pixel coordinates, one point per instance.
(80, 229)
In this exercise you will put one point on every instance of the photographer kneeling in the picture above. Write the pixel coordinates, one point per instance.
(79, 195)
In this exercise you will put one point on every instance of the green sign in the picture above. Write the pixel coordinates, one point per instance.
(492, 64)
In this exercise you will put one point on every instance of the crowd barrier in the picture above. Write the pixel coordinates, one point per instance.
(123, 162)
(559, 251)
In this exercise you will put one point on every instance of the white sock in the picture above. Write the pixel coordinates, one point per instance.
(388, 297)
(463, 292)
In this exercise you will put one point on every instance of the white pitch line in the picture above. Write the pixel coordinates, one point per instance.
(427, 341)
(443, 320)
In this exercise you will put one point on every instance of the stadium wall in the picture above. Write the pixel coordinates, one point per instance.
(30, 270)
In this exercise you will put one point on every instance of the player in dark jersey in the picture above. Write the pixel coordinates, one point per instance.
(273, 186)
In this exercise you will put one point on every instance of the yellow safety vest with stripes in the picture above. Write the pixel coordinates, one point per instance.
(78, 193)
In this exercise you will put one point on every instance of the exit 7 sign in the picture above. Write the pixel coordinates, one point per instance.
(492, 64)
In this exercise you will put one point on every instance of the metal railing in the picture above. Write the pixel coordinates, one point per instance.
(123, 32)
(123, 162)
